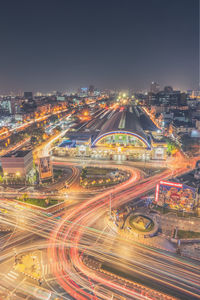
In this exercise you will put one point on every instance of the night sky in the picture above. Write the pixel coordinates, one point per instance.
(57, 45)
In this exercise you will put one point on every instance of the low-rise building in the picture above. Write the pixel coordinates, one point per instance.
(180, 127)
(18, 163)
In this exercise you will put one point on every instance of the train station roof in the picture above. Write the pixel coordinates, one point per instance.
(126, 120)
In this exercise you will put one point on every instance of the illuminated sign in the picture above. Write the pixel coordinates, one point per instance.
(45, 168)
(171, 184)
(122, 132)
(157, 193)
(175, 196)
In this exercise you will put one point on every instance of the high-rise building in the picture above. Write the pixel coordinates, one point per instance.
(194, 94)
(168, 89)
(28, 95)
(168, 97)
(8, 104)
(91, 90)
(154, 87)
(83, 92)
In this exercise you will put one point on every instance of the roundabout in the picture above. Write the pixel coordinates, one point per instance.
(141, 223)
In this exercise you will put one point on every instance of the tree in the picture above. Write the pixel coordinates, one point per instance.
(24, 197)
(33, 140)
(47, 201)
(1, 179)
(84, 173)
(172, 147)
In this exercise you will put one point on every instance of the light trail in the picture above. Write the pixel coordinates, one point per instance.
(77, 233)
(79, 216)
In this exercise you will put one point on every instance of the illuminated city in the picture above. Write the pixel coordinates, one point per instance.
(99, 163)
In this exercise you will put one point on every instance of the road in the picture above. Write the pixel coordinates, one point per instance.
(82, 231)
(170, 272)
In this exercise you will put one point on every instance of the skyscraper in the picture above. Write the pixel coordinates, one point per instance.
(91, 90)
(154, 87)
(28, 95)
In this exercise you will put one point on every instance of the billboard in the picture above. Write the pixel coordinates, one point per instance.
(175, 196)
(45, 167)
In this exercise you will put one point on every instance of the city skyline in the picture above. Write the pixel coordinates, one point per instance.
(48, 47)
(99, 150)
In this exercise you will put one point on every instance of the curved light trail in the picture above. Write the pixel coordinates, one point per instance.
(79, 234)
(79, 280)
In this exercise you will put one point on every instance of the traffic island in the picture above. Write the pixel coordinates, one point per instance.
(46, 207)
(133, 224)
(29, 265)
(187, 234)
(187, 243)
(141, 225)
(44, 202)
(93, 177)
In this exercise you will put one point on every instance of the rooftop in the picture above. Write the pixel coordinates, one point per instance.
(19, 153)
(128, 119)
(188, 179)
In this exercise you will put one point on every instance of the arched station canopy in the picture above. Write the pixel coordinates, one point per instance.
(125, 122)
